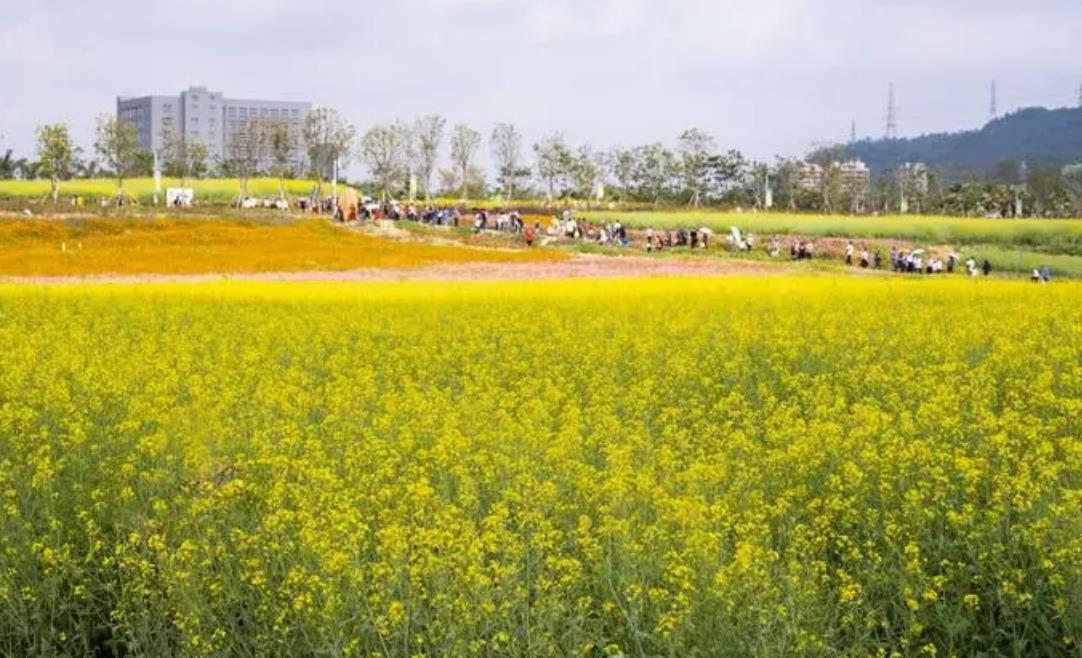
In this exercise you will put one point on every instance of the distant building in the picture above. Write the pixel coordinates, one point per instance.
(915, 178)
(856, 181)
(809, 176)
(852, 176)
(855, 175)
(208, 117)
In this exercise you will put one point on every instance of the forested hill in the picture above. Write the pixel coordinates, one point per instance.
(1036, 136)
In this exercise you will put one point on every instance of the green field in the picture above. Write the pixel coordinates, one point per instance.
(1050, 235)
(781, 466)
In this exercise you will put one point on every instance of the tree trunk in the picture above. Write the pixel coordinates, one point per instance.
(56, 187)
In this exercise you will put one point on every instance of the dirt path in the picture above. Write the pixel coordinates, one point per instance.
(582, 266)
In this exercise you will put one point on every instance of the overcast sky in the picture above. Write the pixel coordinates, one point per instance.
(766, 76)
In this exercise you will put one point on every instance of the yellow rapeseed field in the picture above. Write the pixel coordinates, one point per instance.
(684, 467)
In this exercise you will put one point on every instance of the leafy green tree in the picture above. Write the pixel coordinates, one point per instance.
(1048, 195)
(8, 165)
(56, 153)
(586, 167)
(657, 172)
(1072, 180)
(726, 173)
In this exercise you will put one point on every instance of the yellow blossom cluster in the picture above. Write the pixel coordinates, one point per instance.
(641, 467)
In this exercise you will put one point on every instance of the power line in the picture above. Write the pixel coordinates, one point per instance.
(892, 114)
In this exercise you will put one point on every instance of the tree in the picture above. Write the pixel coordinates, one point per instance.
(56, 154)
(1072, 180)
(1048, 194)
(622, 163)
(554, 163)
(585, 171)
(385, 150)
(429, 134)
(694, 147)
(330, 140)
(174, 162)
(86, 167)
(280, 144)
(118, 145)
(725, 173)
(464, 144)
(181, 156)
(7, 165)
(657, 169)
(27, 169)
(506, 143)
(196, 156)
(448, 181)
(754, 181)
(247, 148)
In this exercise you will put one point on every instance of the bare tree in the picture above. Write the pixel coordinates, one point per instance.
(429, 133)
(464, 144)
(56, 153)
(118, 145)
(330, 140)
(246, 150)
(385, 149)
(695, 148)
(182, 157)
(506, 143)
(281, 144)
(448, 180)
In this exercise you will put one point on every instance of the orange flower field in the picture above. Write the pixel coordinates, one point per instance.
(201, 246)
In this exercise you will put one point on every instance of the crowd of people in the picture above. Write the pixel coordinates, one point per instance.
(616, 234)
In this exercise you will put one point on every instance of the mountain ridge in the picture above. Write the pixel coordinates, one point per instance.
(1034, 135)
